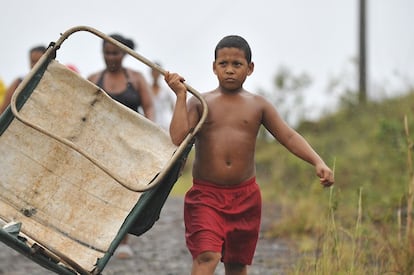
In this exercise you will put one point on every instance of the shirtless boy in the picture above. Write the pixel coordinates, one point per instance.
(223, 207)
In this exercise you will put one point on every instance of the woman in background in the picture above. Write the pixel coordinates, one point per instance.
(124, 85)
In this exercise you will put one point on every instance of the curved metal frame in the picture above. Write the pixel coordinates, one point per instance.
(51, 53)
(16, 104)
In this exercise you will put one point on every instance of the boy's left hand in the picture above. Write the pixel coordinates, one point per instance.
(325, 175)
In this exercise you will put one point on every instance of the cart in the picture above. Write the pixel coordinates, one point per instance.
(79, 171)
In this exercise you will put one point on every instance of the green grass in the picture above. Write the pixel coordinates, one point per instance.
(354, 227)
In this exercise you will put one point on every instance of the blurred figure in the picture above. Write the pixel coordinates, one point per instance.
(2, 90)
(34, 55)
(124, 85)
(163, 100)
(129, 88)
(73, 68)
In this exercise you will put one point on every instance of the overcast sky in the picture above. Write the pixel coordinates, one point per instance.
(317, 37)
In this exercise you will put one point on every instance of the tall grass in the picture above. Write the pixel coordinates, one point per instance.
(369, 246)
(410, 145)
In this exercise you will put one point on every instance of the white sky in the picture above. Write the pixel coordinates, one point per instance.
(318, 37)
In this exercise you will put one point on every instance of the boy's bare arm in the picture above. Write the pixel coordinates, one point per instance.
(295, 143)
(301, 148)
(180, 124)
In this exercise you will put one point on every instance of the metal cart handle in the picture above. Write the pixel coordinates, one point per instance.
(51, 53)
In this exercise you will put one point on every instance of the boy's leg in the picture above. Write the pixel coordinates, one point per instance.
(235, 269)
(205, 263)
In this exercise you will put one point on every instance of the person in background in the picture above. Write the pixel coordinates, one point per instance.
(122, 84)
(34, 55)
(72, 68)
(163, 100)
(2, 90)
(129, 88)
(222, 209)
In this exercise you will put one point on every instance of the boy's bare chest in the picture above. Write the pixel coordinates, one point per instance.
(229, 114)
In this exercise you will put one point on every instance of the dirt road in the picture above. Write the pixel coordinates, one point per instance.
(162, 251)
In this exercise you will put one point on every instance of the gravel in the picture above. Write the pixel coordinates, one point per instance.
(162, 250)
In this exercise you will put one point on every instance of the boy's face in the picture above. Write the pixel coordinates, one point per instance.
(231, 68)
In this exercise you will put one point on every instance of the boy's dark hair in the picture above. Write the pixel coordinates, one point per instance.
(235, 41)
(39, 48)
(126, 41)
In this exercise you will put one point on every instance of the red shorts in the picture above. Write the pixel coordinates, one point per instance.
(223, 219)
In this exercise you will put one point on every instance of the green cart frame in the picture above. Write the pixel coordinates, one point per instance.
(79, 171)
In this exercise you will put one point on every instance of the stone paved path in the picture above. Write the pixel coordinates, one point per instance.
(162, 251)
